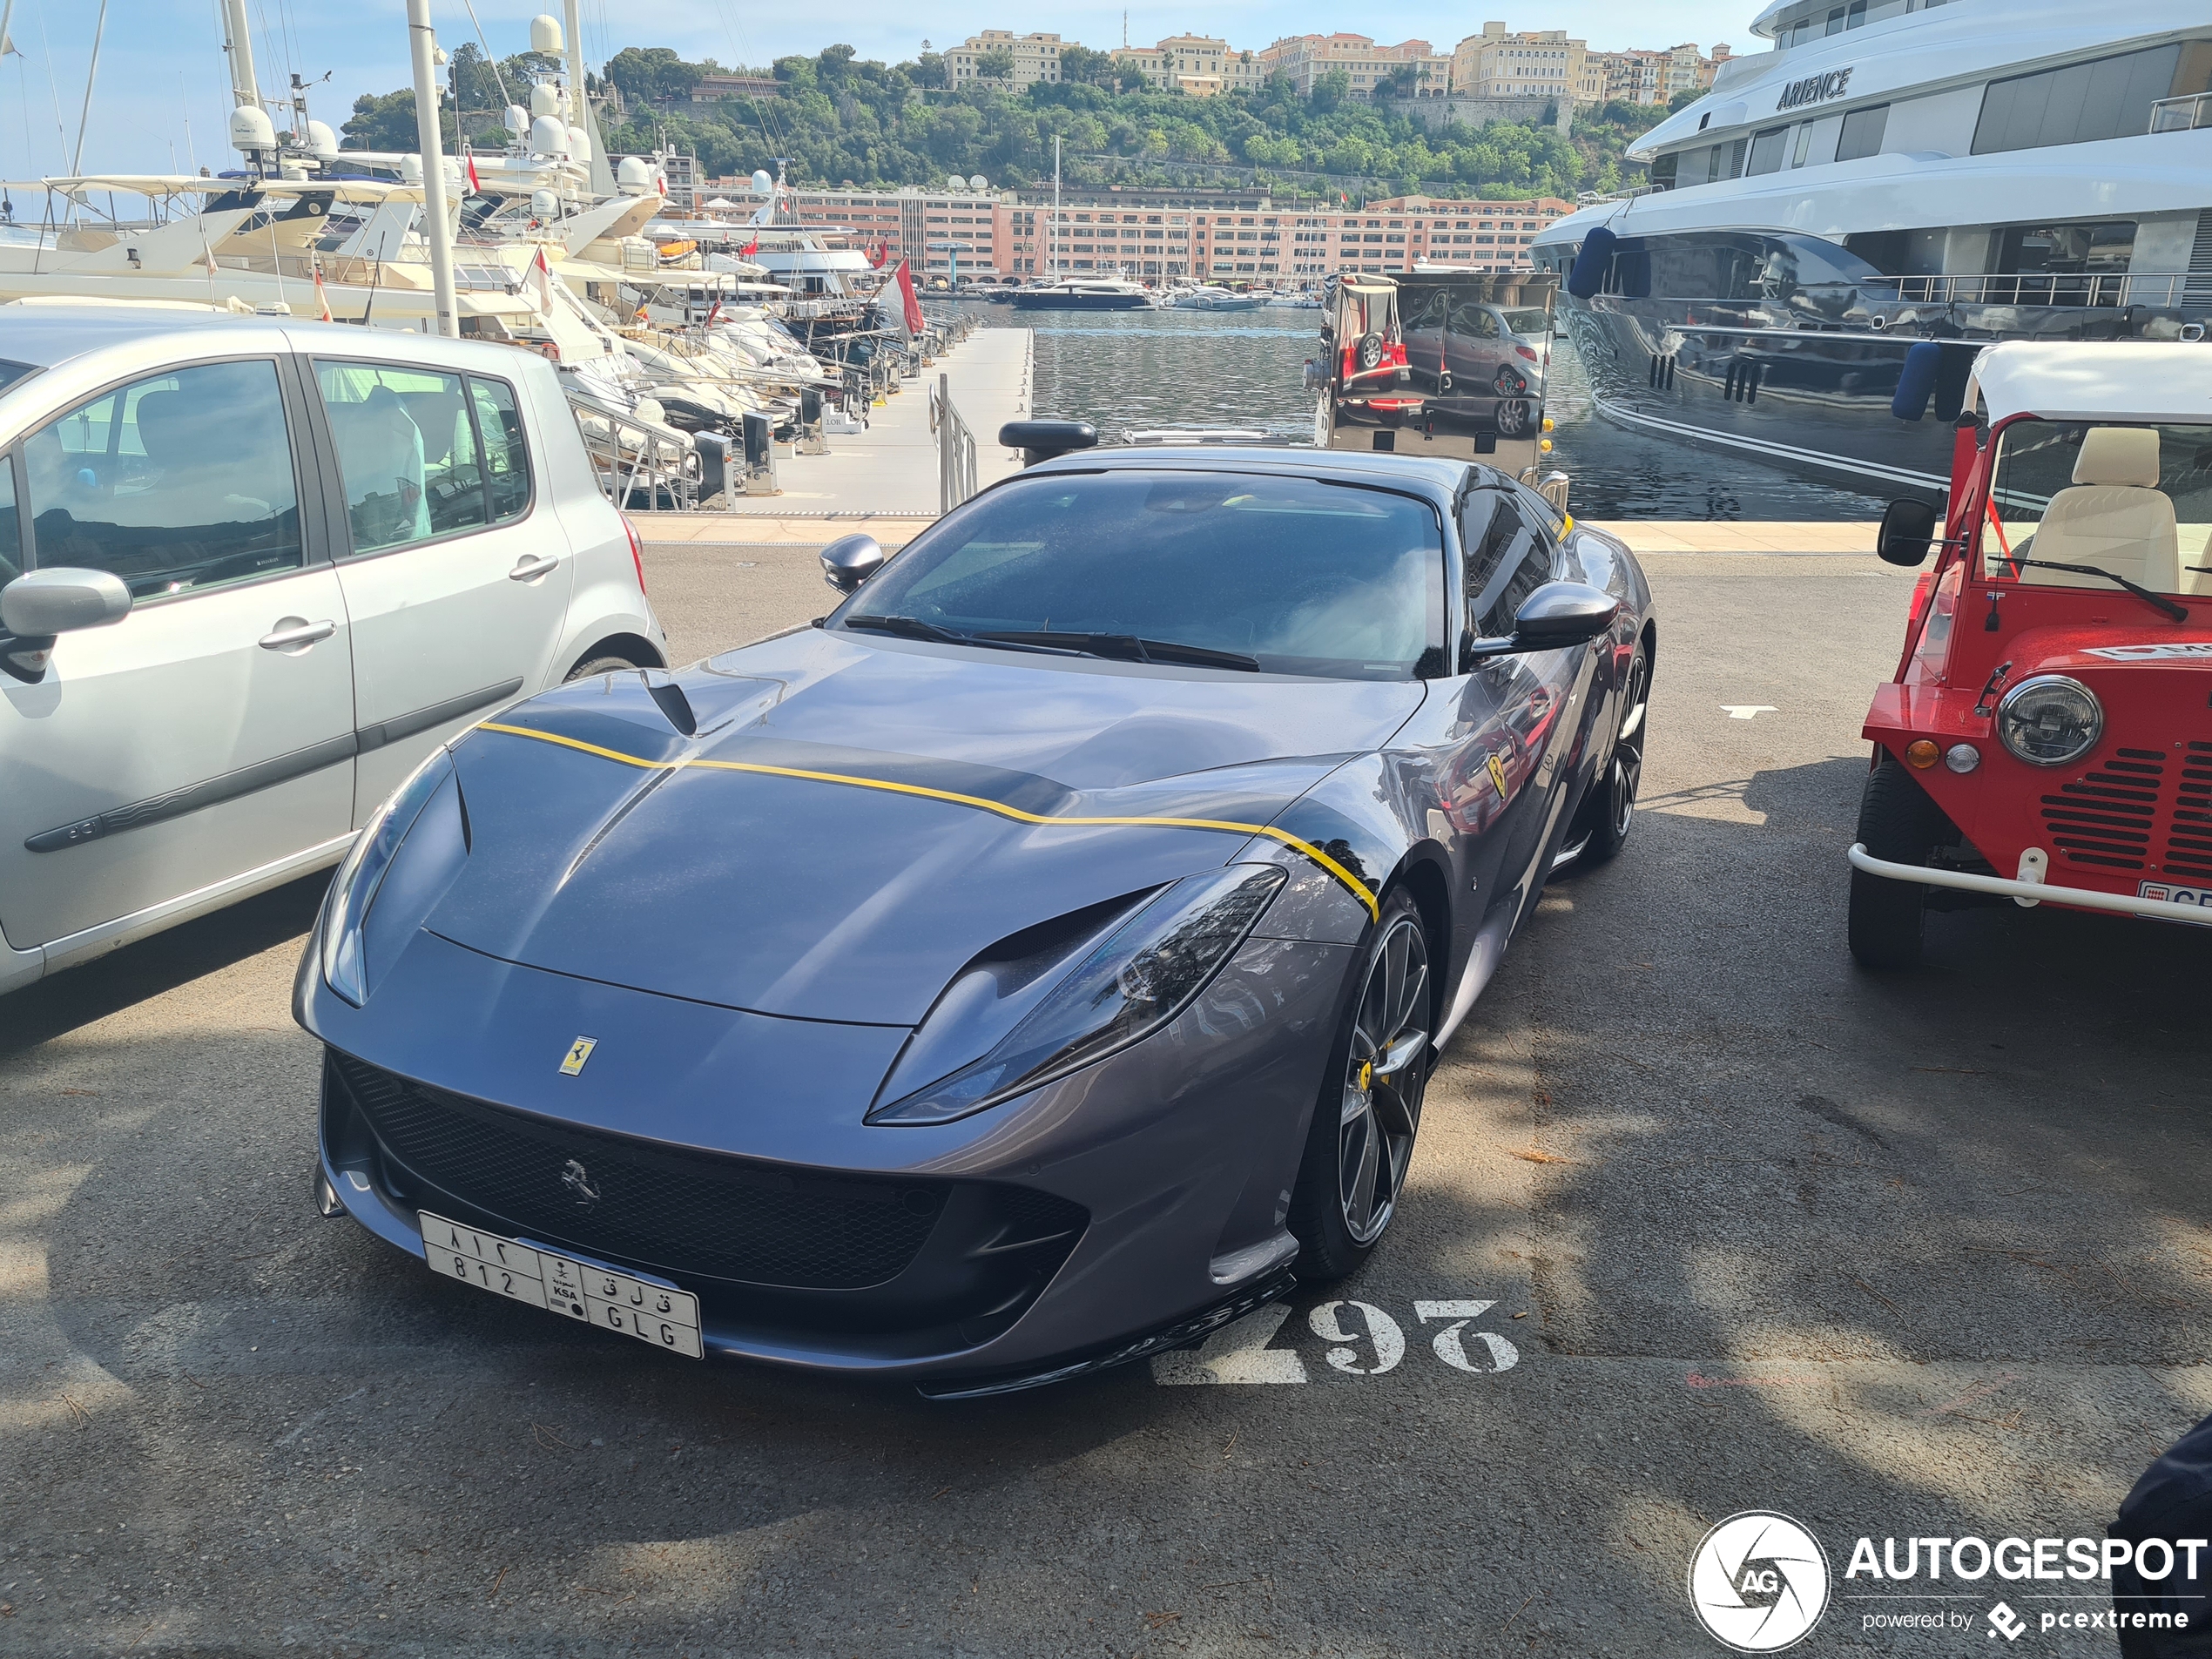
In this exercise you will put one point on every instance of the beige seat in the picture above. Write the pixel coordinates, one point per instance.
(2115, 518)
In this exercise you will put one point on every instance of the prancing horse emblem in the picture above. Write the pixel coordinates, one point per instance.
(579, 1051)
(577, 1180)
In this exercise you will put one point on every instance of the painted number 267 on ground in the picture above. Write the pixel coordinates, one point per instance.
(1364, 1342)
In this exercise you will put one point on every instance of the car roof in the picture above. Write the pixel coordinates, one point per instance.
(44, 334)
(1432, 475)
(2078, 380)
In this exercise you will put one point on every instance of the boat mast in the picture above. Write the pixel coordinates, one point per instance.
(437, 229)
(238, 45)
(1056, 207)
(85, 115)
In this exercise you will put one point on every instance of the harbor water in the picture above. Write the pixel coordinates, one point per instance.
(1130, 369)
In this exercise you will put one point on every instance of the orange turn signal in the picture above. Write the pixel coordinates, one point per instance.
(1921, 754)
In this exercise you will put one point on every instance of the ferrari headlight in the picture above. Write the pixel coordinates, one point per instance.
(345, 968)
(1139, 977)
(2050, 720)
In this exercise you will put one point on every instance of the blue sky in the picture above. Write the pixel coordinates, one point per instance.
(161, 86)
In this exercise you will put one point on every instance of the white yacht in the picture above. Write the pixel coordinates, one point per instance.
(1834, 232)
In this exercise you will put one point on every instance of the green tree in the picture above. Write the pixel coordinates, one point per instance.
(1330, 91)
(929, 70)
(1083, 67)
(995, 65)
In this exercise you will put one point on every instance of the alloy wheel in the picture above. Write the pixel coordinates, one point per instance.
(1628, 750)
(1384, 1079)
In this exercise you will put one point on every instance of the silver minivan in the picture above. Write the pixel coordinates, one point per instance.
(252, 570)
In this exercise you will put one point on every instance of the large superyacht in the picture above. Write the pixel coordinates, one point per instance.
(1834, 232)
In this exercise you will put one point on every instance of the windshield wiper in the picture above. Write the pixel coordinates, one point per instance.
(915, 628)
(2142, 592)
(1129, 648)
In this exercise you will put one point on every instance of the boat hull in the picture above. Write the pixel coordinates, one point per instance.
(1082, 302)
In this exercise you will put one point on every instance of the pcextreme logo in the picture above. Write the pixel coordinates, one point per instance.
(1758, 1583)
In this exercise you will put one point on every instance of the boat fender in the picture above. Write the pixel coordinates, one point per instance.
(1588, 273)
(1916, 380)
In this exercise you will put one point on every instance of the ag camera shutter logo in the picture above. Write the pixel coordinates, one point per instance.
(1758, 1583)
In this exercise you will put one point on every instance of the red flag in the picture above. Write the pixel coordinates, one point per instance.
(713, 311)
(749, 249)
(321, 298)
(905, 278)
(878, 253)
(475, 187)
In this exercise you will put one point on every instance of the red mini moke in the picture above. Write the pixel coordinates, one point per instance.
(2047, 739)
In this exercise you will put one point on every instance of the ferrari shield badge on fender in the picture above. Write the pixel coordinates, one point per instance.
(579, 1051)
(1497, 777)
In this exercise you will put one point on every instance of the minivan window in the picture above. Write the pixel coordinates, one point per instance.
(407, 450)
(10, 527)
(507, 457)
(177, 482)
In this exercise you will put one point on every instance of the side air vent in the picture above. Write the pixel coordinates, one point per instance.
(2188, 837)
(2106, 818)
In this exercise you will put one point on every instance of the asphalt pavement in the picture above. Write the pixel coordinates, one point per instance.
(1702, 1220)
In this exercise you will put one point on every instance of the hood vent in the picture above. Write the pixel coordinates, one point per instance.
(2189, 837)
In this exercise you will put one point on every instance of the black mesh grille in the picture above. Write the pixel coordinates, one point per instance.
(682, 1211)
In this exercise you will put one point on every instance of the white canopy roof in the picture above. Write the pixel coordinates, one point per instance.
(2125, 381)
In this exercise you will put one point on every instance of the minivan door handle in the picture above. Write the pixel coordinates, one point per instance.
(530, 569)
(296, 633)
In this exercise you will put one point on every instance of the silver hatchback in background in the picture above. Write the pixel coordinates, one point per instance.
(252, 570)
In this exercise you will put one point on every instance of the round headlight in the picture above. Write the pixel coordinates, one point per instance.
(2050, 720)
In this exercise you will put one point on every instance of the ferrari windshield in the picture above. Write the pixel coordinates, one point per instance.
(2074, 498)
(1236, 570)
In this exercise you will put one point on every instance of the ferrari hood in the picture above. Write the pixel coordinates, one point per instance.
(850, 820)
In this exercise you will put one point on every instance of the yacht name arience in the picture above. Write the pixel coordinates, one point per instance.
(1836, 229)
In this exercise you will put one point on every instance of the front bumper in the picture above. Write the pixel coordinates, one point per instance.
(2029, 893)
(1120, 1210)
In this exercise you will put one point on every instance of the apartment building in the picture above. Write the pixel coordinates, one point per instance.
(1503, 63)
(933, 229)
(1307, 58)
(1036, 57)
(1655, 77)
(1201, 65)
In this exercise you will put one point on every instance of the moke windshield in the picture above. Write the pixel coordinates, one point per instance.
(2132, 501)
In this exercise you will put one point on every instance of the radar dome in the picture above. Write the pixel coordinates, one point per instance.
(544, 204)
(545, 34)
(956, 183)
(762, 184)
(635, 176)
(579, 145)
(320, 142)
(545, 99)
(410, 169)
(548, 136)
(250, 128)
(518, 120)
(978, 182)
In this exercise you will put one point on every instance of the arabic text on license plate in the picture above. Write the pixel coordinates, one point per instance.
(642, 1308)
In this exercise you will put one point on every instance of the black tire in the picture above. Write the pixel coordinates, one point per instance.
(1610, 811)
(1898, 822)
(592, 667)
(1368, 1112)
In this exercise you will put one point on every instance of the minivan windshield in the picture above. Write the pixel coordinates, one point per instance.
(1228, 569)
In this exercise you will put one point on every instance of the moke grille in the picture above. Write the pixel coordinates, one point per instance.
(2107, 817)
(2188, 839)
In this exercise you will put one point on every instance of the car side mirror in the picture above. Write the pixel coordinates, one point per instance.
(851, 560)
(1043, 439)
(1557, 615)
(36, 607)
(1908, 528)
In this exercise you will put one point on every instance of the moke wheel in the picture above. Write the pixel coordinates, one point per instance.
(1370, 1108)
(1898, 822)
(1613, 804)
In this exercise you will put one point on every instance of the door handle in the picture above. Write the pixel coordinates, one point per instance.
(295, 633)
(530, 569)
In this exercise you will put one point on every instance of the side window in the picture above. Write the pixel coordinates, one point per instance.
(177, 482)
(10, 525)
(1515, 561)
(507, 457)
(407, 449)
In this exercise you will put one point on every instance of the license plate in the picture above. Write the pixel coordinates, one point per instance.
(646, 1309)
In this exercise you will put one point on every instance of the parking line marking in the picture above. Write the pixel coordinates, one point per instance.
(1359, 889)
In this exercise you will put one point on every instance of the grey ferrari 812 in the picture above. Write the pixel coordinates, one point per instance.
(1031, 965)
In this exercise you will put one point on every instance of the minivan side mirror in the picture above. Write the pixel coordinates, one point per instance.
(1557, 615)
(36, 607)
(851, 560)
(61, 601)
(1908, 528)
